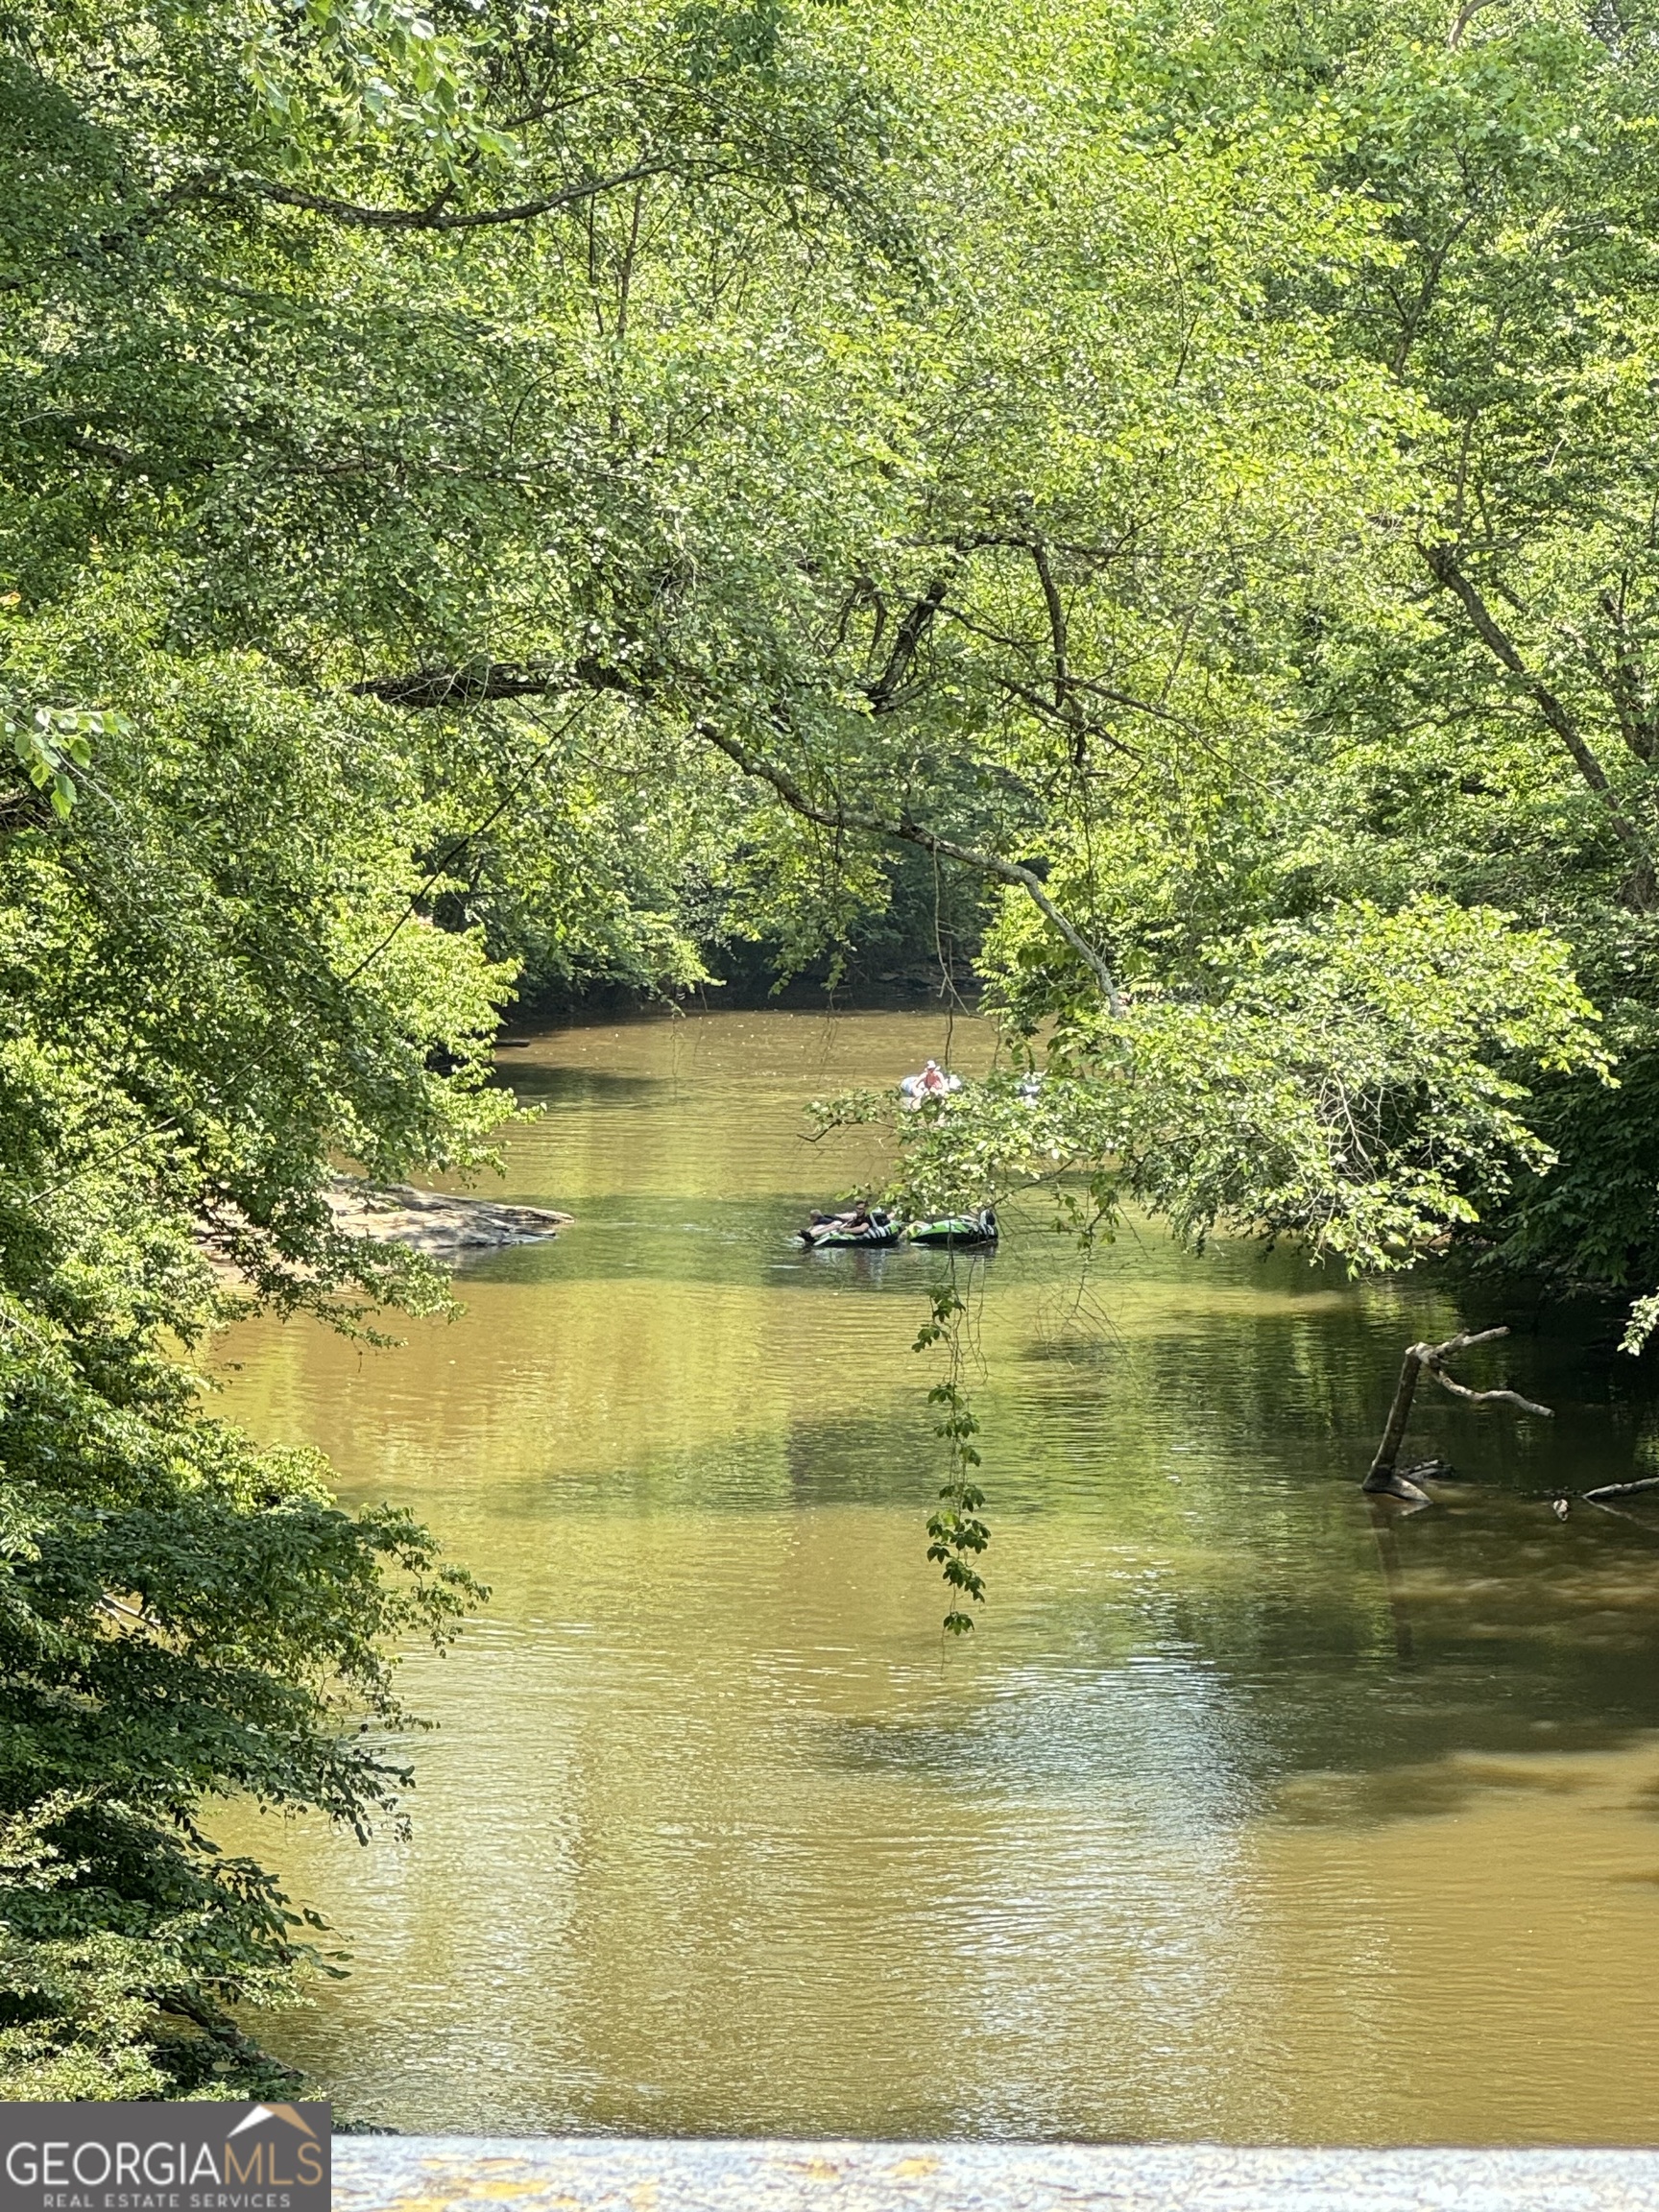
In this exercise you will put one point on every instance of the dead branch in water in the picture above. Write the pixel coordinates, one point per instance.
(1620, 1489)
(1384, 1476)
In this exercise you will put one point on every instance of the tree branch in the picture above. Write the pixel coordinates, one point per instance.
(1068, 721)
(1443, 567)
(1058, 628)
(1466, 15)
(906, 644)
(1487, 1397)
(1624, 680)
(839, 817)
(1073, 681)
(432, 687)
(1383, 1478)
(467, 687)
(1620, 1489)
(435, 216)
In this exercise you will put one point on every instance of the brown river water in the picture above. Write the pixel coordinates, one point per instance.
(1250, 1810)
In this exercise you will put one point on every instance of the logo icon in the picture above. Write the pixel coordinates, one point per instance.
(289, 2113)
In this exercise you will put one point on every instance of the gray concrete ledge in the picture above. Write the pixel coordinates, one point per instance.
(443, 2173)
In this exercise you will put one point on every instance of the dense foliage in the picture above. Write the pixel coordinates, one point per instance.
(565, 491)
(203, 1003)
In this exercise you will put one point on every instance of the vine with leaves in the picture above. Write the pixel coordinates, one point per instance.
(956, 1533)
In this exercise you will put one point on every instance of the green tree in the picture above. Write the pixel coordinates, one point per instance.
(580, 486)
(1487, 735)
(1373, 918)
(214, 986)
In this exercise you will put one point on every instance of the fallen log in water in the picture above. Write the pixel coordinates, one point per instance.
(1620, 1489)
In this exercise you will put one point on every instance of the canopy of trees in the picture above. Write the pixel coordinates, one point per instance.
(551, 493)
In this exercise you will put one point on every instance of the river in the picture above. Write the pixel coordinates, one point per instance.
(1250, 1810)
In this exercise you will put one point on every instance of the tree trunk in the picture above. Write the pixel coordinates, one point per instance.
(1382, 1476)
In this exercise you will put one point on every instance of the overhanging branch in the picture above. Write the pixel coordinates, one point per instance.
(902, 830)
(440, 687)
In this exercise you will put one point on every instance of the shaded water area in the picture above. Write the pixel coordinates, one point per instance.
(1251, 1810)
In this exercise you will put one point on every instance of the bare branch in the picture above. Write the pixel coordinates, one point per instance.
(1383, 1478)
(1487, 1397)
(1463, 1344)
(1619, 1489)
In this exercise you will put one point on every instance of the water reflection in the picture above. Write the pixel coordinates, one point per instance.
(1237, 1786)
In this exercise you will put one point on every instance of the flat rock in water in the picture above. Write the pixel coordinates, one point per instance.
(437, 1222)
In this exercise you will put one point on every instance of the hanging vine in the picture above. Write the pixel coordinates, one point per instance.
(956, 1534)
